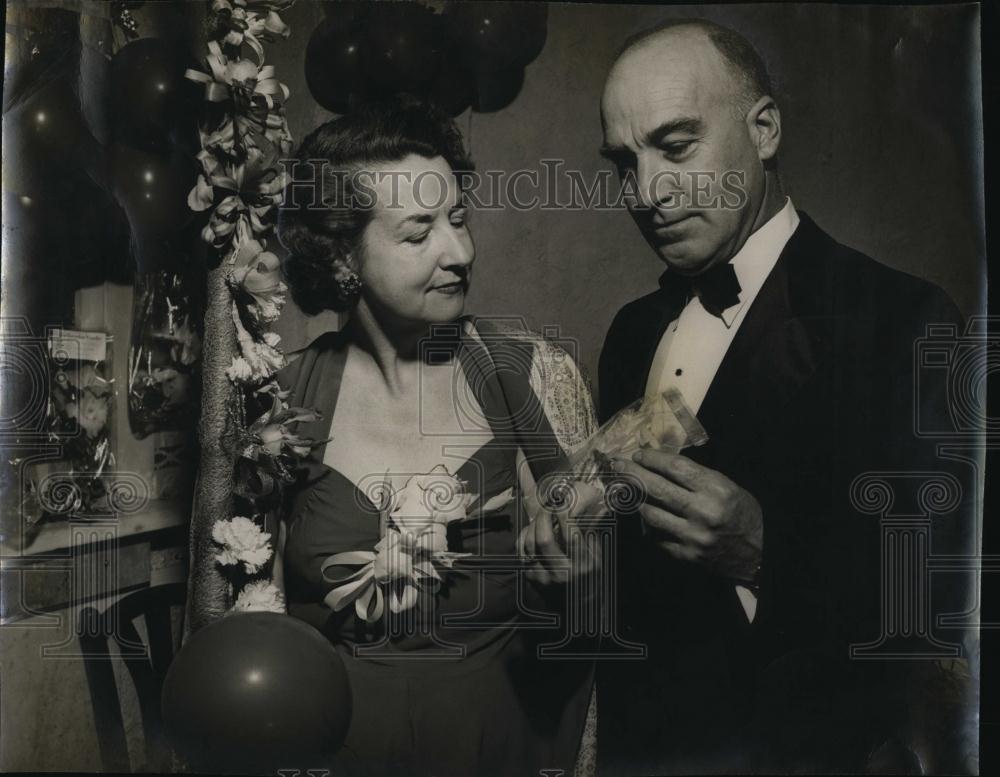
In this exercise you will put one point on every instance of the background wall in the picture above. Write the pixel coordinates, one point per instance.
(882, 146)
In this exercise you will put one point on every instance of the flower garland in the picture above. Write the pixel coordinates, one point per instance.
(244, 133)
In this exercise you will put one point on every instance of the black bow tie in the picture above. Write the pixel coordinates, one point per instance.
(717, 288)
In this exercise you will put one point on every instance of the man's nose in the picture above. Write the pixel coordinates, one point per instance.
(657, 183)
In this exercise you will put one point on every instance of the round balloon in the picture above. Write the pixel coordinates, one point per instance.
(95, 90)
(45, 132)
(257, 691)
(454, 88)
(497, 36)
(153, 189)
(497, 89)
(333, 66)
(153, 105)
(402, 50)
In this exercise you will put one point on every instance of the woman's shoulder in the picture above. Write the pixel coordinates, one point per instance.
(555, 378)
(299, 363)
(550, 352)
(517, 330)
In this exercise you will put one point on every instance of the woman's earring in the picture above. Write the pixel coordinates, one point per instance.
(349, 284)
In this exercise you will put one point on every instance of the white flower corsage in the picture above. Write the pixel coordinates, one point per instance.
(413, 551)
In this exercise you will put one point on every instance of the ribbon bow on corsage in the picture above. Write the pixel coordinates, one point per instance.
(413, 550)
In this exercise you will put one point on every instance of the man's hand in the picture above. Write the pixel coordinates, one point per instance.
(698, 514)
(550, 560)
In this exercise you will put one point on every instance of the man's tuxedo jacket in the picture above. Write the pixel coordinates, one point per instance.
(816, 390)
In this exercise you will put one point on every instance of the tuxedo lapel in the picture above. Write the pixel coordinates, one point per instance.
(777, 348)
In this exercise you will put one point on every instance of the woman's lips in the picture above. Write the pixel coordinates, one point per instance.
(458, 287)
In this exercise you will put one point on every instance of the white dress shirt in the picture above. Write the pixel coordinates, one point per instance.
(695, 343)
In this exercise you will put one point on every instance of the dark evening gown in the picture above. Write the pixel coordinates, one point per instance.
(453, 687)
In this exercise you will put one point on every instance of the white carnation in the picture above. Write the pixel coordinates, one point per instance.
(260, 596)
(239, 371)
(242, 540)
(272, 339)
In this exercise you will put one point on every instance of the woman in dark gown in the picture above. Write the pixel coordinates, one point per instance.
(446, 678)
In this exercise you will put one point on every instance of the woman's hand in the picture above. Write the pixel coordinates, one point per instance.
(552, 544)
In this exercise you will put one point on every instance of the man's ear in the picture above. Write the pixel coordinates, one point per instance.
(764, 125)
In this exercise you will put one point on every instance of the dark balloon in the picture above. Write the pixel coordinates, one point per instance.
(154, 107)
(153, 189)
(53, 118)
(454, 88)
(497, 36)
(402, 50)
(46, 131)
(96, 91)
(257, 691)
(497, 89)
(333, 67)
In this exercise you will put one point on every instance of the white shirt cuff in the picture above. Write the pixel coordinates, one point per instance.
(749, 601)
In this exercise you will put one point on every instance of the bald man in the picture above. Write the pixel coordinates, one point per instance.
(747, 572)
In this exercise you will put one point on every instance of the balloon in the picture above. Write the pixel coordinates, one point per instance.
(153, 189)
(333, 65)
(256, 691)
(498, 36)
(153, 105)
(402, 50)
(53, 119)
(454, 88)
(95, 89)
(43, 134)
(497, 89)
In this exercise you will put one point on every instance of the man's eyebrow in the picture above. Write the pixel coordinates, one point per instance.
(691, 125)
(613, 153)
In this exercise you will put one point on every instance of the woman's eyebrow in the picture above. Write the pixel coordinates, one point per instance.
(418, 218)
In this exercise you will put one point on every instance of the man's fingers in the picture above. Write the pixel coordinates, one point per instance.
(675, 467)
(662, 491)
(679, 529)
(678, 550)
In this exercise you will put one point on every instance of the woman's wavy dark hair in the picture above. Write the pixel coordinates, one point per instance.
(320, 221)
